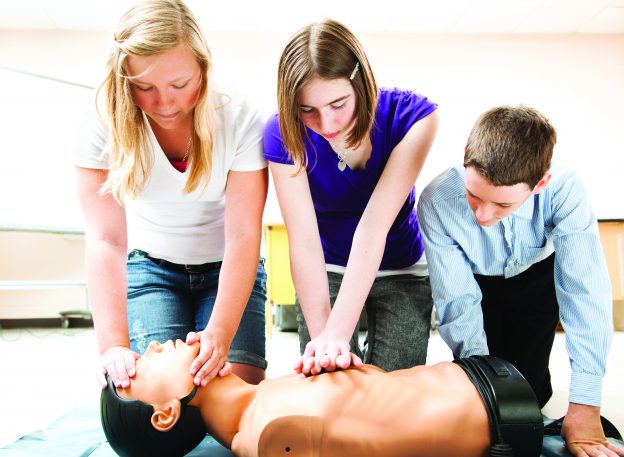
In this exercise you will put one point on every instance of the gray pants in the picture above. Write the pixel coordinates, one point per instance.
(398, 314)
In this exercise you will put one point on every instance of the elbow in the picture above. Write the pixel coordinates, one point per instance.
(114, 241)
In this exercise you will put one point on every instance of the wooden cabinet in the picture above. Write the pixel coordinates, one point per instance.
(612, 239)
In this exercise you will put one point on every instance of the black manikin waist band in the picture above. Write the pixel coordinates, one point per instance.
(513, 411)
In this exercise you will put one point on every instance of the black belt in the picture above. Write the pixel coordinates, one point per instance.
(185, 268)
(516, 424)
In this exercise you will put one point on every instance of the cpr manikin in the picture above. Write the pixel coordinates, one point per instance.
(438, 410)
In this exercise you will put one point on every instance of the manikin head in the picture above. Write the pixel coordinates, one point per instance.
(152, 416)
(507, 158)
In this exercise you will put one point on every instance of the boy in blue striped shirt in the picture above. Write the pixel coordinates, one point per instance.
(512, 248)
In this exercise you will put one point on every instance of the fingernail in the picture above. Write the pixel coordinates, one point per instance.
(131, 371)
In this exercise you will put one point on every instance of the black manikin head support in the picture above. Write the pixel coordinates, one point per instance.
(128, 428)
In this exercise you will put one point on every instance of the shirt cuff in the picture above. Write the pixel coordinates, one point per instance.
(585, 389)
(474, 351)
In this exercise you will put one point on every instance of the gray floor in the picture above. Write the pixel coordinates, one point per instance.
(45, 373)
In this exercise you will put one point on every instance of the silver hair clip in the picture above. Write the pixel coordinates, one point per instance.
(355, 70)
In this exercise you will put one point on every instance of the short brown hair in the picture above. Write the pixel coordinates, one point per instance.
(326, 50)
(510, 145)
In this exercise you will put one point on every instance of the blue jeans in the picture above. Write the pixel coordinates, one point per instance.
(398, 313)
(166, 303)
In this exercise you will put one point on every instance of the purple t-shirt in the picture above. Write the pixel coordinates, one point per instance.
(340, 197)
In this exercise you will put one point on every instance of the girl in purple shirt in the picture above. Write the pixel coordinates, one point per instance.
(344, 156)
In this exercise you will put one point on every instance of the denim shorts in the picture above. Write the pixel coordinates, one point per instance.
(166, 303)
(398, 314)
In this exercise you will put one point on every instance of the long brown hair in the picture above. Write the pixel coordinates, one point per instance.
(326, 50)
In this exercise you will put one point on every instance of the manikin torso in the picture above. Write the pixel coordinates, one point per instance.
(418, 412)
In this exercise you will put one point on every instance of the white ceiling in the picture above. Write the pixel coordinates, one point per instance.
(418, 16)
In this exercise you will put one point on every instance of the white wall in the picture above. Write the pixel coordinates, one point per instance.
(576, 80)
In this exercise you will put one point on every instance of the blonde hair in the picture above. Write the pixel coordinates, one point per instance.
(509, 145)
(326, 50)
(148, 28)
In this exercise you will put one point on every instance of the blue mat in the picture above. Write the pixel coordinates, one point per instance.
(79, 434)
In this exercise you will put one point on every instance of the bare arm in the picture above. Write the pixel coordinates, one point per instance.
(397, 180)
(106, 244)
(245, 196)
(307, 261)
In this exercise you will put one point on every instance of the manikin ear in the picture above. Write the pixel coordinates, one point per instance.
(166, 415)
(541, 185)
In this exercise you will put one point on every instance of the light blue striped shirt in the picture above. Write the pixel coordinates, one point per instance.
(557, 219)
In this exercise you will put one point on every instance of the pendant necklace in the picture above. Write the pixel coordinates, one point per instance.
(188, 149)
(342, 155)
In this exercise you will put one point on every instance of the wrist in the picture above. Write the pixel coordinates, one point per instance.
(577, 409)
(341, 325)
(114, 346)
(220, 330)
(316, 321)
(339, 332)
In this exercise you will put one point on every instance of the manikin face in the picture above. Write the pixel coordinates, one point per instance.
(162, 373)
(166, 86)
(491, 203)
(327, 106)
